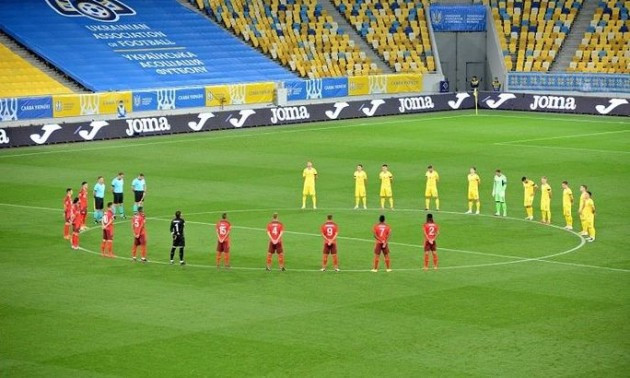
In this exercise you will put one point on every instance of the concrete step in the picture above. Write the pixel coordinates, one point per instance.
(329, 6)
(573, 40)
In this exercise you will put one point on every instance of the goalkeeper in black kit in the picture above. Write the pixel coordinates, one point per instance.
(177, 231)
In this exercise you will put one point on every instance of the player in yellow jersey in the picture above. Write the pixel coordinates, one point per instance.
(588, 212)
(473, 190)
(567, 204)
(529, 188)
(431, 190)
(310, 175)
(360, 178)
(386, 178)
(583, 190)
(545, 200)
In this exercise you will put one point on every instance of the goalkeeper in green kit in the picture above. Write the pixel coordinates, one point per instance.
(498, 192)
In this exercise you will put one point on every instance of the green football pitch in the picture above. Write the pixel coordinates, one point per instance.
(511, 297)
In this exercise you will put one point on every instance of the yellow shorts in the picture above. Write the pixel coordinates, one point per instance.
(545, 206)
(566, 212)
(431, 192)
(589, 221)
(309, 190)
(528, 202)
(473, 195)
(386, 192)
(359, 192)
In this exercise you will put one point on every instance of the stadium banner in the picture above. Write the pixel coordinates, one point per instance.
(67, 106)
(358, 85)
(404, 83)
(190, 98)
(254, 117)
(568, 82)
(296, 90)
(29, 108)
(111, 103)
(334, 87)
(144, 101)
(259, 93)
(554, 103)
(218, 95)
(458, 18)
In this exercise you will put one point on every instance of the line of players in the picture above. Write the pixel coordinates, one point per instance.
(499, 187)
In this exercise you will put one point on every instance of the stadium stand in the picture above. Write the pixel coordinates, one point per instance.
(532, 32)
(396, 30)
(159, 44)
(298, 33)
(20, 78)
(605, 47)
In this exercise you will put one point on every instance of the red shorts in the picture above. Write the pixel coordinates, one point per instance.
(68, 217)
(330, 249)
(275, 248)
(141, 240)
(430, 247)
(378, 248)
(223, 247)
(108, 234)
(84, 211)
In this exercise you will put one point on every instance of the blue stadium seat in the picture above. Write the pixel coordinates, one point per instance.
(194, 51)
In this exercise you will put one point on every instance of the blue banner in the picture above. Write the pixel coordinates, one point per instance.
(458, 18)
(578, 82)
(335, 87)
(296, 90)
(34, 107)
(190, 98)
(144, 101)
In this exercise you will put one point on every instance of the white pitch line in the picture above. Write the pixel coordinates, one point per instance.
(563, 148)
(580, 118)
(564, 137)
(233, 134)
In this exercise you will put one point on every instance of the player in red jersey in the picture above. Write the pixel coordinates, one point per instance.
(67, 213)
(83, 203)
(431, 232)
(275, 229)
(382, 232)
(76, 223)
(139, 235)
(107, 223)
(223, 228)
(330, 230)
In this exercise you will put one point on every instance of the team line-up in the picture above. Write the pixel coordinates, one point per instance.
(76, 210)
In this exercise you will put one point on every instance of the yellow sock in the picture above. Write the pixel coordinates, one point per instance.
(382, 202)
(303, 201)
(427, 203)
(470, 205)
(549, 216)
(314, 202)
(391, 202)
(591, 231)
(569, 220)
(356, 201)
(365, 202)
(437, 203)
(478, 205)
(530, 212)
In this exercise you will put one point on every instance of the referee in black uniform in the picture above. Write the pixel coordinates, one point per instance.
(177, 231)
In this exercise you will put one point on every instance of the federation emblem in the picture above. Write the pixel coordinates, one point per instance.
(378, 84)
(166, 99)
(436, 17)
(314, 89)
(8, 109)
(89, 104)
(97, 10)
(237, 94)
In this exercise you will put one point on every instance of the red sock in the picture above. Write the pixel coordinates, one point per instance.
(269, 259)
(66, 230)
(103, 247)
(335, 261)
(226, 258)
(426, 260)
(133, 250)
(218, 258)
(435, 259)
(377, 260)
(75, 239)
(143, 250)
(110, 247)
(325, 260)
(387, 263)
(281, 260)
